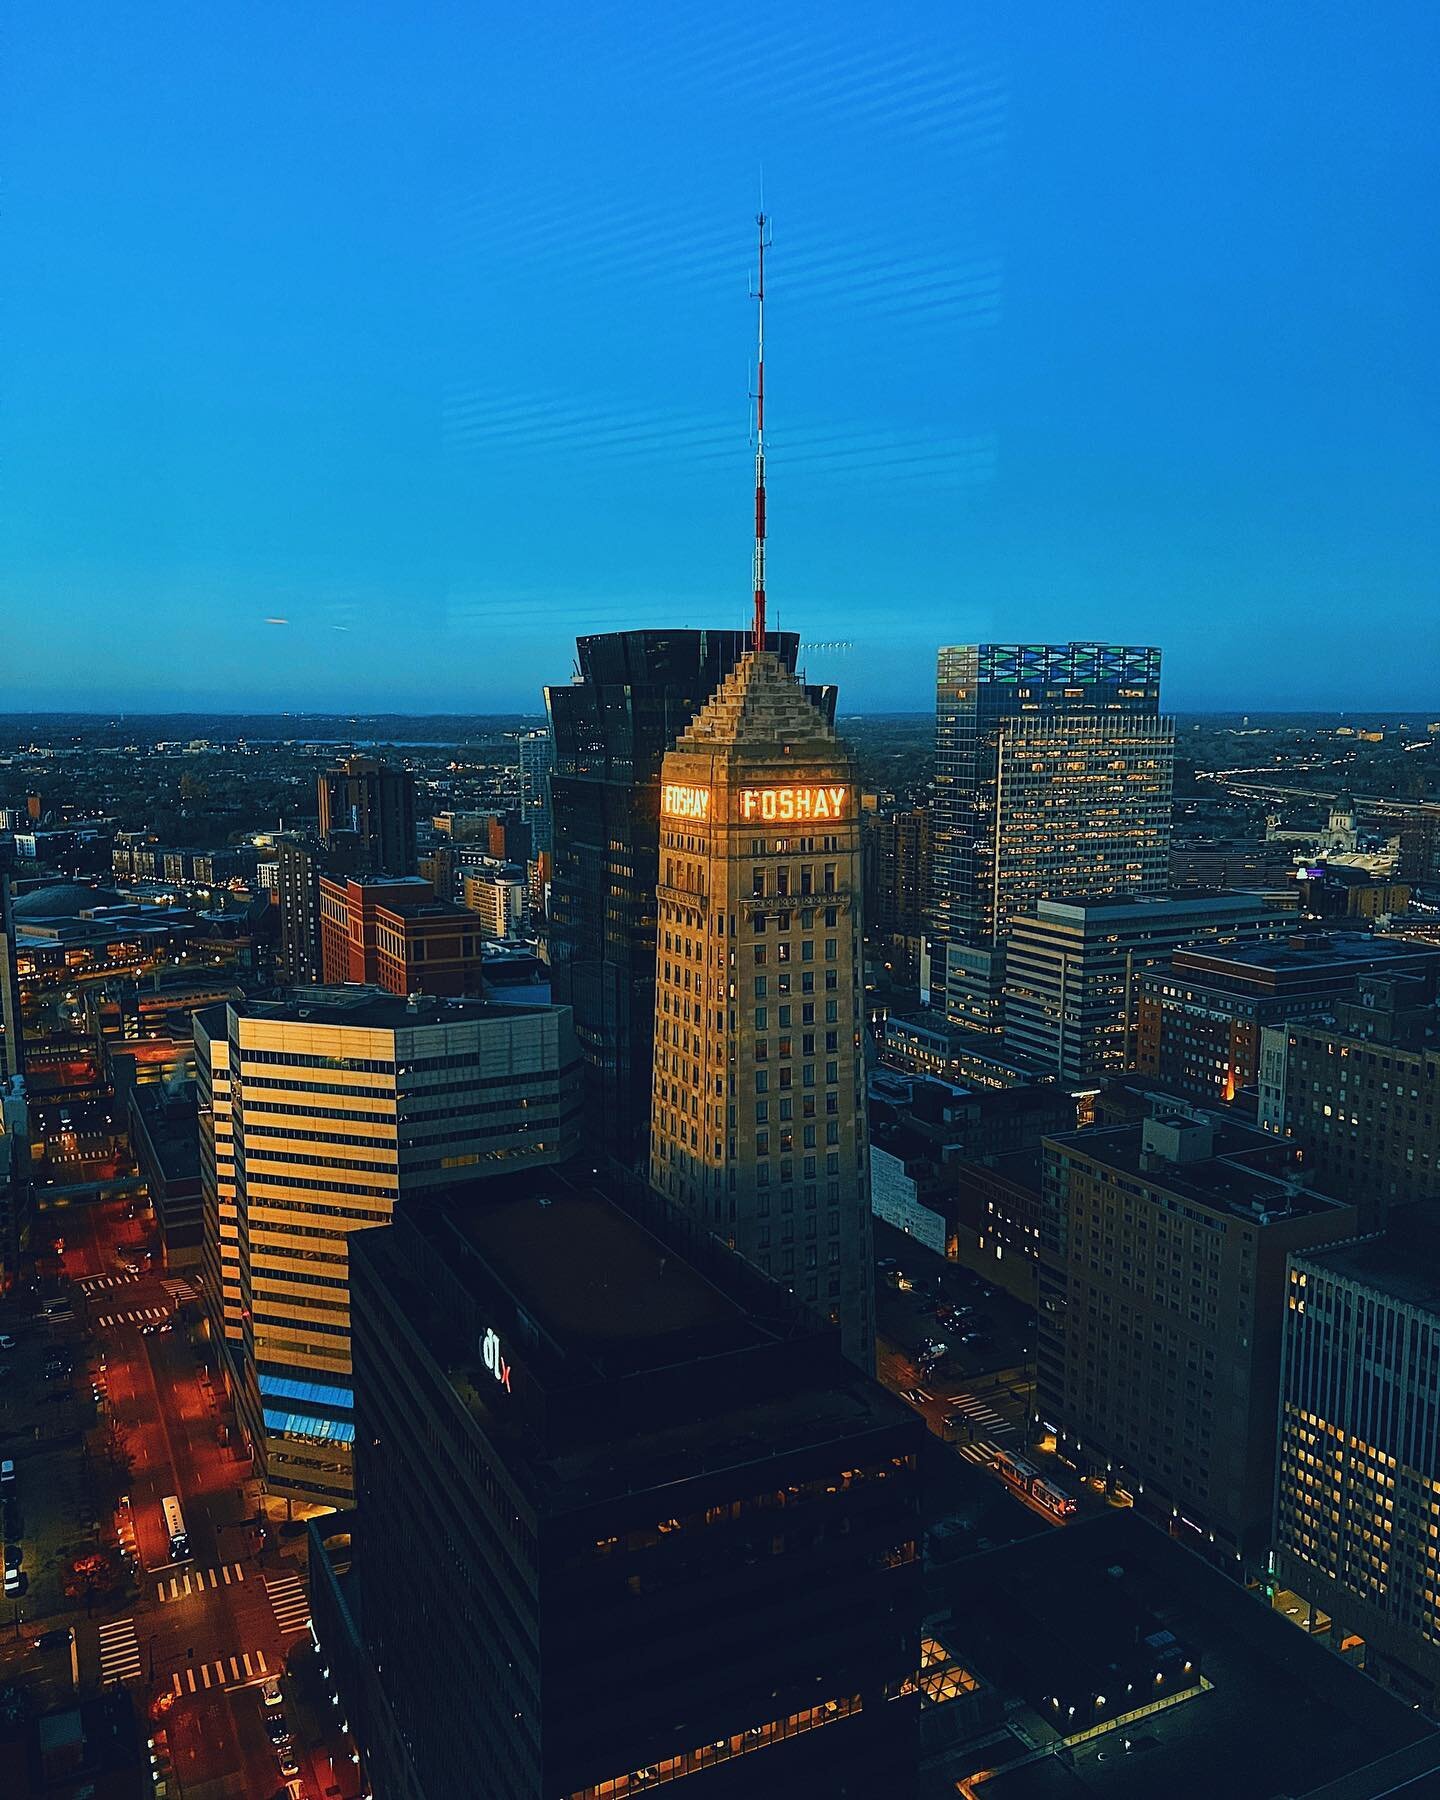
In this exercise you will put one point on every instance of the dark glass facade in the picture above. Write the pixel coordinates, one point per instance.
(620, 1522)
(636, 692)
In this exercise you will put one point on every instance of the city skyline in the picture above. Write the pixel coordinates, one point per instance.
(1020, 326)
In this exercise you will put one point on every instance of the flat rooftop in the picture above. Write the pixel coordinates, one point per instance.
(598, 1284)
(1283, 1714)
(1224, 1180)
(1312, 953)
(377, 1010)
(1405, 1263)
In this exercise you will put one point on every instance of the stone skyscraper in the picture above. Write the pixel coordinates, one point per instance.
(758, 1103)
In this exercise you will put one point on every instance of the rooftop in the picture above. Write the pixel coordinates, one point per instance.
(1138, 907)
(598, 1284)
(1226, 1179)
(1311, 952)
(1281, 1715)
(376, 1010)
(1404, 1264)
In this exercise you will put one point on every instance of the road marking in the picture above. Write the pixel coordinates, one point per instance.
(239, 1670)
(197, 1581)
(119, 1651)
(982, 1414)
(289, 1601)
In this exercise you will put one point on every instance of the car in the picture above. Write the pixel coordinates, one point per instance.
(276, 1729)
(54, 1640)
(285, 1756)
(7, 1471)
(14, 1582)
(14, 1556)
(6, 1341)
(270, 1692)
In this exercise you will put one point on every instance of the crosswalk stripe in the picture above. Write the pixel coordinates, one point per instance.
(190, 1677)
(160, 1591)
(205, 1673)
(175, 1678)
(260, 1658)
(246, 1657)
(226, 1573)
(235, 1669)
(239, 1573)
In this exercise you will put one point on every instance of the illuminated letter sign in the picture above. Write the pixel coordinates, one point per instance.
(685, 802)
(493, 1360)
(789, 805)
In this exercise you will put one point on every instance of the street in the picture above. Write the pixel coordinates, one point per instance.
(192, 1639)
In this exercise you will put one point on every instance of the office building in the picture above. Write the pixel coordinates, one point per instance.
(394, 934)
(1255, 865)
(1162, 1297)
(537, 760)
(219, 1222)
(924, 1133)
(341, 1105)
(669, 1531)
(1070, 969)
(1053, 777)
(500, 900)
(12, 1025)
(1361, 1095)
(758, 1124)
(634, 694)
(896, 847)
(1199, 1018)
(163, 1132)
(375, 802)
(299, 860)
(16, 1191)
(922, 1041)
(1357, 1498)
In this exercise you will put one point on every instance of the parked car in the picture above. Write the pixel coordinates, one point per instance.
(6, 1341)
(270, 1692)
(276, 1729)
(14, 1582)
(58, 1639)
(14, 1556)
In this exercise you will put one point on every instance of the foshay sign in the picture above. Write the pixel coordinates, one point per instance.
(772, 805)
(792, 804)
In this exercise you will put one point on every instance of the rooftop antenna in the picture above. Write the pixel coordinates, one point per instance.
(762, 224)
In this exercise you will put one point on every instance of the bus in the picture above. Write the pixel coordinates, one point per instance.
(1027, 1479)
(1016, 1470)
(1054, 1499)
(175, 1528)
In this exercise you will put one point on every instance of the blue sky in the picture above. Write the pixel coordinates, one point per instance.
(427, 330)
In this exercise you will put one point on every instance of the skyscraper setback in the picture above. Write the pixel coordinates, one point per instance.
(1053, 779)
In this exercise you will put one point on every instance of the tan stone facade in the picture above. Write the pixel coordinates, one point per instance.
(758, 1102)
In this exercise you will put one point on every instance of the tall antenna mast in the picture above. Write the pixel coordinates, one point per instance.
(763, 227)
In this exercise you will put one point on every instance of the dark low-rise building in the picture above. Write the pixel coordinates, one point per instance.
(165, 1134)
(1199, 1018)
(625, 1514)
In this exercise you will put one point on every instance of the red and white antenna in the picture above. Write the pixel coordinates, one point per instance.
(763, 227)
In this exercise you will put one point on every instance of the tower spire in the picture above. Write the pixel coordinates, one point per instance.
(762, 223)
